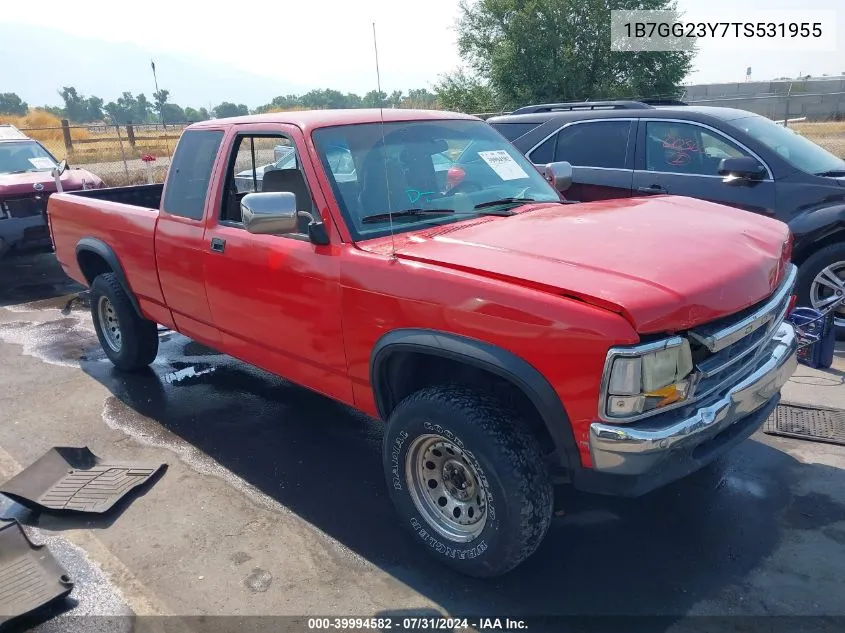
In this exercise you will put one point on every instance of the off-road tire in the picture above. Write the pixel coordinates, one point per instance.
(811, 267)
(139, 337)
(505, 455)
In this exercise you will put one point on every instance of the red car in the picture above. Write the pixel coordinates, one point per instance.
(509, 341)
(26, 181)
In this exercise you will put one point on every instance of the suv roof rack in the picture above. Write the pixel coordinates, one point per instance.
(583, 105)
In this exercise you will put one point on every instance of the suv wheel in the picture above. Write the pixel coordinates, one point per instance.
(821, 283)
(467, 478)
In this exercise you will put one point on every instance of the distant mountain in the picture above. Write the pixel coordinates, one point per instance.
(36, 62)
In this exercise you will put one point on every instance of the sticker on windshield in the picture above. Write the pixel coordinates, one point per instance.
(41, 163)
(503, 164)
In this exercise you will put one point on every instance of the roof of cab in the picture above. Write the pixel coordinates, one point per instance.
(312, 119)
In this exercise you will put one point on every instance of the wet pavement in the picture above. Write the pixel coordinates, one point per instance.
(274, 501)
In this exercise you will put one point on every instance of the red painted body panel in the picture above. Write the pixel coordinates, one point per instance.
(555, 285)
(128, 229)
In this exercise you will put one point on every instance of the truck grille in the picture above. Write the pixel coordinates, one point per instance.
(26, 207)
(727, 349)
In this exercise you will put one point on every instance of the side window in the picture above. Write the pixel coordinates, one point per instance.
(187, 182)
(594, 144)
(685, 148)
(264, 163)
(545, 153)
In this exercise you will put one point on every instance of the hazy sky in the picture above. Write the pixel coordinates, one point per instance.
(328, 43)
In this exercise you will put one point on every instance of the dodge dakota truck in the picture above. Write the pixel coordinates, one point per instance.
(510, 342)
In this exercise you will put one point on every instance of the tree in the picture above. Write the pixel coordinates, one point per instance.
(196, 115)
(10, 103)
(227, 109)
(80, 108)
(160, 99)
(374, 99)
(535, 51)
(464, 92)
(420, 98)
(174, 113)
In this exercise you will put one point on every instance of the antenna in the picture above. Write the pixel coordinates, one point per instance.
(384, 149)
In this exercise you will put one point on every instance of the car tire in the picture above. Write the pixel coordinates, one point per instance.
(829, 257)
(129, 340)
(453, 456)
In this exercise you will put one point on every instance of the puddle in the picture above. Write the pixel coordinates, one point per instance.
(62, 342)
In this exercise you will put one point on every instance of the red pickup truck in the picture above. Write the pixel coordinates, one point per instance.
(511, 342)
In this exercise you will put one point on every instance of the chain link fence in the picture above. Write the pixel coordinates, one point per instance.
(120, 155)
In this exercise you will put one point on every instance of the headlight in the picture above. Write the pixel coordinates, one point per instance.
(639, 381)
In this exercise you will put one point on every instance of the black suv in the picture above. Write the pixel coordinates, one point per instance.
(633, 148)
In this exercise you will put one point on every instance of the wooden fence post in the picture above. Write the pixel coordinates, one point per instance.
(130, 133)
(66, 135)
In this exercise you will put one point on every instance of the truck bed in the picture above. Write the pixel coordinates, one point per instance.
(147, 196)
(122, 220)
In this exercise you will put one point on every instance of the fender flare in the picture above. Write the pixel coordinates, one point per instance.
(99, 247)
(486, 357)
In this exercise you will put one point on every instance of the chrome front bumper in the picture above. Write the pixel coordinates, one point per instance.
(636, 449)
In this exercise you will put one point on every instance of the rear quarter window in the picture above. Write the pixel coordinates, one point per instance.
(190, 173)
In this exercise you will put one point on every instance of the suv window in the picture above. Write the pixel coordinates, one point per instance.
(187, 181)
(513, 131)
(686, 148)
(594, 144)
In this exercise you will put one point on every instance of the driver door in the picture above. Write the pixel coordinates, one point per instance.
(275, 298)
(681, 158)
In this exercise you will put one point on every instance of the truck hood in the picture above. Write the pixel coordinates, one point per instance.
(24, 184)
(665, 263)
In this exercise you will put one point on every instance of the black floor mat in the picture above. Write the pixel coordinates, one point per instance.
(29, 575)
(75, 479)
(807, 423)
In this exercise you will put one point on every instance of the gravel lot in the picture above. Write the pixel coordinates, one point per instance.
(274, 503)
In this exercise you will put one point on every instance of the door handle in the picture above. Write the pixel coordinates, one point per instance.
(218, 245)
(653, 189)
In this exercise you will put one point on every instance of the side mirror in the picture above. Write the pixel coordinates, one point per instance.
(742, 167)
(559, 175)
(62, 167)
(270, 212)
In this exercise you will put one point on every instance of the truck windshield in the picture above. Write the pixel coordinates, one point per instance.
(461, 167)
(798, 151)
(23, 156)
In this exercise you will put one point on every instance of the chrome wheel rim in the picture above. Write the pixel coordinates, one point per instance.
(827, 288)
(445, 488)
(109, 324)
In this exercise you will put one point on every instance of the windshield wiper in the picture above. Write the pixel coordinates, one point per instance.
(496, 203)
(832, 173)
(405, 213)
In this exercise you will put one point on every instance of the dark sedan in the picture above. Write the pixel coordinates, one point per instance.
(729, 156)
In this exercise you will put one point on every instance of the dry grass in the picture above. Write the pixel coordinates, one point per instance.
(828, 134)
(46, 128)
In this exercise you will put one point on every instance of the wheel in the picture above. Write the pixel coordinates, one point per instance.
(129, 340)
(467, 478)
(821, 282)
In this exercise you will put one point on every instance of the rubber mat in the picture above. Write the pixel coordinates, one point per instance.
(807, 423)
(74, 479)
(29, 575)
